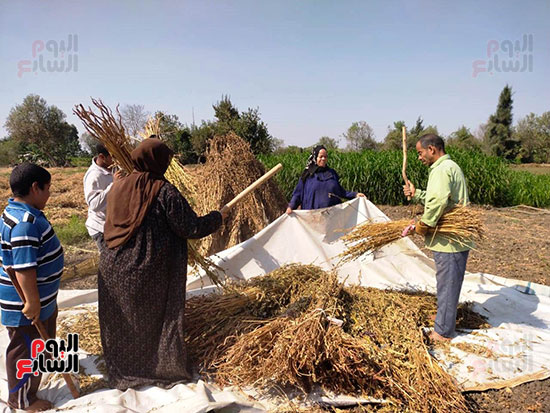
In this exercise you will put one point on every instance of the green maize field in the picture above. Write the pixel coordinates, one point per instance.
(378, 175)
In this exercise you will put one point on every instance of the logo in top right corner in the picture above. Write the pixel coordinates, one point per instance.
(506, 56)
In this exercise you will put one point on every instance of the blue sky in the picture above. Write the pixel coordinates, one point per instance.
(311, 66)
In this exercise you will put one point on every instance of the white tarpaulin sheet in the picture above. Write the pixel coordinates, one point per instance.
(513, 349)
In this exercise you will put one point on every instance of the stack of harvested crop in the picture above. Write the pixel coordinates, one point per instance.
(461, 224)
(230, 167)
(283, 329)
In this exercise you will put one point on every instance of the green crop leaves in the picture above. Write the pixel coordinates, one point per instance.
(378, 176)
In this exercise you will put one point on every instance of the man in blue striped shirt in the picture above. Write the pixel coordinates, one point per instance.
(31, 248)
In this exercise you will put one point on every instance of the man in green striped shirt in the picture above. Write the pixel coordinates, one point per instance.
(446, 188)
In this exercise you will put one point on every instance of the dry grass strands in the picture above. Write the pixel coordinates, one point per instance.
(461, 224)
(178, 177)
(278, 330)
(86, 324)
(478, 350)
(88, 384)
(109, 131)
(230, 167)
(371, 236)
(467, 318)
(84, 268)
(287, 349)
(215, 321)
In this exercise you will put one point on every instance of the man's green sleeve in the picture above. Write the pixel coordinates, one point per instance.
(436, 198)
(419, 196)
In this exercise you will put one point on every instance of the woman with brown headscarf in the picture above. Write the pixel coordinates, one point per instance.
(143, 273)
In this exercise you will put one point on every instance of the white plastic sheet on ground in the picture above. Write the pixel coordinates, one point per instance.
(513, 349)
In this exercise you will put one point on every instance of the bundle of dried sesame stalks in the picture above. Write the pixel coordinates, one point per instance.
(462, 224)
(109, 131)
(230, 167)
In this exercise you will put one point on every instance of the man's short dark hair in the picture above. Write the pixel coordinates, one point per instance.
(24, 175)
(433, 140)
(101, 149)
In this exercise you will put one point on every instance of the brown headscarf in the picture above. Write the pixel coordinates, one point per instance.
(130, 198)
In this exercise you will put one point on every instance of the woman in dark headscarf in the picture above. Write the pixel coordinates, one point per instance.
(319, 185)
(143, 273)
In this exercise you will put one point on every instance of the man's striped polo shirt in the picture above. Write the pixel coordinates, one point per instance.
(28, 241)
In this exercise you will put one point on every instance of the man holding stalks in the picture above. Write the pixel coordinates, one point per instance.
(446, 188)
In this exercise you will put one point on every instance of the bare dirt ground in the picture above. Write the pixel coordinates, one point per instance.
(517, 243)
(534, 168)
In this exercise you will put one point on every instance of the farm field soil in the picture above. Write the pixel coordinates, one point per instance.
(534, 168)
(517, 243)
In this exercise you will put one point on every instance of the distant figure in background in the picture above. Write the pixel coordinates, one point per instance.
(319, 185)
(97, 184)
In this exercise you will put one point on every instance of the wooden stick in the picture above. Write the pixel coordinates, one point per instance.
(41, 330)
(254, 185)
(404, 170)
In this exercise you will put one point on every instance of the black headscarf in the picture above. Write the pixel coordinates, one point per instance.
(311, 165)
(130, 198)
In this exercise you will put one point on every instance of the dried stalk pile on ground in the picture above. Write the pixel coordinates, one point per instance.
(461, 224)
(82, 269)
(281, 329)
(86, 324)
(230, 167)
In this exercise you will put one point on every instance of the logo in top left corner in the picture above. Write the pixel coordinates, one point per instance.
(51, 56)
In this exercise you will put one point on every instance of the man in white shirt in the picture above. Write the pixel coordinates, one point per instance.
(97, 184)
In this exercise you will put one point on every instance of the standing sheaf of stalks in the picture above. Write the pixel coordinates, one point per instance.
(230, 167)
(109, 131)
(178, 177)
(461, 224)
